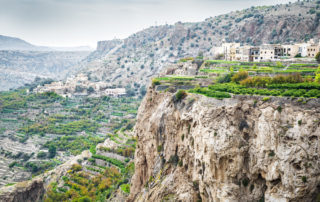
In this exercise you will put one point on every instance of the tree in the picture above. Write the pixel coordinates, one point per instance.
(90, 89)
(143, 91)
(52, 151)
(318, 57)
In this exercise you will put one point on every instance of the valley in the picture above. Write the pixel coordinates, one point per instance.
(163, 116)
(42, 131)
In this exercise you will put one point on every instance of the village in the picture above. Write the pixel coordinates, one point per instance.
(268, 52)
(80, 85)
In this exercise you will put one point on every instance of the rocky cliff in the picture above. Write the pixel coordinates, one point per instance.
(237, 149)
(34, 190)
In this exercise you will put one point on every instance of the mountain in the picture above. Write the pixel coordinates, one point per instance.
(20, 67)
(136, 59)
(11, 43)
(21, 62)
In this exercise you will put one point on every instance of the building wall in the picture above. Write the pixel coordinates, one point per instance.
(312, 51)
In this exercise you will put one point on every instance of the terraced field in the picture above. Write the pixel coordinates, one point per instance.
(41, 131)
(103, 176)
(222, 79)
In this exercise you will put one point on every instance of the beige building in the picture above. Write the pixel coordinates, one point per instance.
(290, 50)
(229, 50)
(312, 50)
(268, 52)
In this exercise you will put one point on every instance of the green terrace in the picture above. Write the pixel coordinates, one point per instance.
(293, 85)
(98, 177)
(256, 68)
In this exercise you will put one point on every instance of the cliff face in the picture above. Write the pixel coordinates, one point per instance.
(34, 190)
(238, 149)
(29, 191)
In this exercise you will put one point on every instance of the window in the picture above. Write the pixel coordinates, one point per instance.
(261, 58)
(289, 49)
(256, 58)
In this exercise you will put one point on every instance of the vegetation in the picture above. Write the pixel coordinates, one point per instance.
(180, 95)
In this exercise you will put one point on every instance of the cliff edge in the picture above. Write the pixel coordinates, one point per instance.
(237, 149)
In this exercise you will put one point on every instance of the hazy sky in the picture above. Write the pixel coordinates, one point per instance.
(84, 22)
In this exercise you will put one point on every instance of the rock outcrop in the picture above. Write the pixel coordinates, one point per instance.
(237, 149)
(29, 191)
(34, 190)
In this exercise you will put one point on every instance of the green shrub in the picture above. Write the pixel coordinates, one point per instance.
(174, 159)
(226, 78)
(265, 99)
(11, 165)
(125, 188)
(41, 155)
(271, 153)
(159, 148)
(304, 179)
(180, 95)
(245, 182)
(155, 82)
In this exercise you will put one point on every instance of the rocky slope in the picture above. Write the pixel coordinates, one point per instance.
(142, 55)
(237, 149)
(20, 67)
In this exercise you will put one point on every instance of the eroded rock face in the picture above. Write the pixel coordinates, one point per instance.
(238, 149)
(34, 190)
(29, 191)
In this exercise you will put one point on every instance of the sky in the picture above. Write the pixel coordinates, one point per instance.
(84, 22)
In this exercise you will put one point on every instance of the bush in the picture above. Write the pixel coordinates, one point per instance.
(225, 78)
(125, 188)
(52, 151)
(180, 95)
(41, 155)
(155, 82)
(241, 75)
(11, 165)
(174, 159)
(265, 99)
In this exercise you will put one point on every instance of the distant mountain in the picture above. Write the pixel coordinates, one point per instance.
(77, 48)
(11, 43)
(20, 67)
(142, 55)
(21, 62)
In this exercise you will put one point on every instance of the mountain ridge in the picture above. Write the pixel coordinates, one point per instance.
(145, 53)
